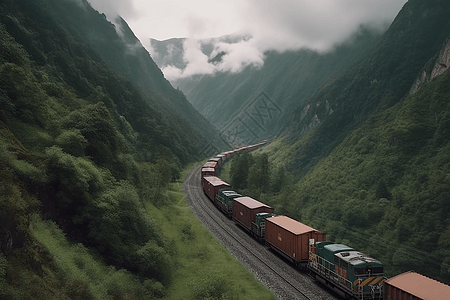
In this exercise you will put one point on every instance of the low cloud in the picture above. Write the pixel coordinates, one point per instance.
(270, 25)
(115, 8)
(313, 24)
(230, 57)
(318, 25)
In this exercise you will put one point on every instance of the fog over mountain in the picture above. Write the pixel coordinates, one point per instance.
(316, 25)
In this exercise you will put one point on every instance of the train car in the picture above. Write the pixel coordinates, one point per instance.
(208, 172)
(245, 210)
(226, 154)
(259, 226)
(414, 286)
(224, 201)
(222, 158)
(346, 271)
(212, 185)
(211, 164)
(291, 238)
(217, 160)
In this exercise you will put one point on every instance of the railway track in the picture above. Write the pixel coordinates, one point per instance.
(285, 281)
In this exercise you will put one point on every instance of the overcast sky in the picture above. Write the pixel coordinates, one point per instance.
(273, 24)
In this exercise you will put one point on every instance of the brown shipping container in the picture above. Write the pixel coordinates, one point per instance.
(245, 210)
(227, 155)
(208, 172)
(212, 185)
(211, 164)
(291, 237)
(216, 160)
(414, 286)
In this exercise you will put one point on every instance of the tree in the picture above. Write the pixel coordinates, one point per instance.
(239, 170)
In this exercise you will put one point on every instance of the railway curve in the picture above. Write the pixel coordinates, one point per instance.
(285, 281)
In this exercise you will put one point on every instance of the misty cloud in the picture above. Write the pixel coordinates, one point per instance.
(271, 25)
(313, 24)
(114, 8)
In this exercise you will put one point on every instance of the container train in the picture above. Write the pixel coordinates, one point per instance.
(343, 269)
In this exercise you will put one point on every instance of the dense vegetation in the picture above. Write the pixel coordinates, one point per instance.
(384, 190)
(67, 156)
(86, 159)
(288, 78)
(378, 80)
(371, 159)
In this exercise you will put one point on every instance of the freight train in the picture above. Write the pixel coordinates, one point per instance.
(343, 269)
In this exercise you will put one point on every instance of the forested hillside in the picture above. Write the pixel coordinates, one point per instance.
(88, 151)
(287, 78)
(375, 167)
(330, 93)
(377, 81)
(385, 189)
(117, 45)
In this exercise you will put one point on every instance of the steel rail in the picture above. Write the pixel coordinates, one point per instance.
(195, 172)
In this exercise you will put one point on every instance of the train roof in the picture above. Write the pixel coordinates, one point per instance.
(335, 248)
(357, 259)
(207, 169)
(210, 164)
(291, 225)
(215, 181)
(250, 202)
(420, 286)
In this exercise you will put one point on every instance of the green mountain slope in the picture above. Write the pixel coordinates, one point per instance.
(372, 157)
(380, 79)
(86, 159)
(385, 189)
(286, 78)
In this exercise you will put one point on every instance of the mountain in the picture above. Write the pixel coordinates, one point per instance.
(91, 135)
(297, 92)
(116, 45)
(370, 149)
(379, 80)
(256, 101)
(168, 52)
(384, 189)
(171, 52)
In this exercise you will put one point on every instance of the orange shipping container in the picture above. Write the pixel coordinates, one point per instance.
(216, 160)
(208, 172)
(211, 164)
(212, 185)
(291, 238)
(245, 210)
(414, 286)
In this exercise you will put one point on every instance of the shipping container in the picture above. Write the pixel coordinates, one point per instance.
(245, 210)
(222, 158)
(212, 185)
(217, 160)
(211, 164)
(208, 172)
(291, 238)
(414, 286)
(226, 154)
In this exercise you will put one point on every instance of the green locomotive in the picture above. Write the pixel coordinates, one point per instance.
(224, 201)
(346, 270)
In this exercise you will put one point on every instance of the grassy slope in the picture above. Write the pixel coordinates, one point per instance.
(75, 161)
(204, 268)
